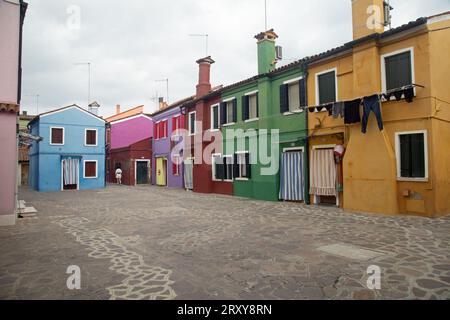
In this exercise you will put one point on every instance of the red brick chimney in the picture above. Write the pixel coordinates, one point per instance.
(118, 109)
(204, 75)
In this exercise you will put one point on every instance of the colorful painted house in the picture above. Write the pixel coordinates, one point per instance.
(12, 15)
(168, 171)
(400, 166)
(203, 125)
(23, 158)
(130, 148)
(254, 109)
(72, 153)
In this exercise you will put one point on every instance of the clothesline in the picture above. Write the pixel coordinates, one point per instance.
(323, 105)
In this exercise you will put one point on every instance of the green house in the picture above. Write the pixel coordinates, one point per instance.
(265, 129)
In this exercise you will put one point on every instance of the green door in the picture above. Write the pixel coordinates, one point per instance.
(142, 172)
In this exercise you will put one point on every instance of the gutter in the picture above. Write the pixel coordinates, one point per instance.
(303, 68)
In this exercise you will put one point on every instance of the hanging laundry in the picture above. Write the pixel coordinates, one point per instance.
(329, 108)
(351, 111)
(338, 109)
(409, 94)
(312, 109)
(398, 94)
(372, 103)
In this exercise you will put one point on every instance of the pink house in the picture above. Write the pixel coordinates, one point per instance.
(12, 14)
(130, 148)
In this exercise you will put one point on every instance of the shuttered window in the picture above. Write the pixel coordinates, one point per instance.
(91, 137)
(327, 87)
(242, 166)
(228, 112)
(176, 165)
(412, 155)
(192, 119)
(250, 107)
(57, 136)
(90, 169)
(398, 70)
(215, 117)
(294, 96)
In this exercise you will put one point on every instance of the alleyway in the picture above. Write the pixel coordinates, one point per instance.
(155, 243)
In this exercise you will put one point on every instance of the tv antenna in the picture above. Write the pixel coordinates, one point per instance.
(206, 36)
(167, 87)
(265, 15)
(88, 64)
(37, 101)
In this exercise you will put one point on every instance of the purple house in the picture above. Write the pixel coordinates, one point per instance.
(130, 148)
(167, 173)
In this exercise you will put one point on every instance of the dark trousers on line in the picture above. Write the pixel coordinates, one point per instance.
(372, 103)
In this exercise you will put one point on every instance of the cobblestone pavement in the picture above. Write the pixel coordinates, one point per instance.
(155, 243)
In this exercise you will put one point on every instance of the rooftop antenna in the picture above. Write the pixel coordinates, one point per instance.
(387, 14)
(89, 78)
(206, 39)
(265, 15)
(37, 101)
(167, 87)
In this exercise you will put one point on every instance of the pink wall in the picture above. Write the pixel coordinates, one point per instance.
(9, 50)
(8, 164)
(129, 131)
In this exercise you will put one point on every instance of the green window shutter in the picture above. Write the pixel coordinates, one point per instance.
(412, 162)
(248, 166)
(245, 108)
(215, 116)
(302, 87)
(236, 166)
(257, 105)
(284, 98)
(327, 87)
(235, 110)
(398, 70)
(223, 113)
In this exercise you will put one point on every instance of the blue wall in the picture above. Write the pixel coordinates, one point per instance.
(45, 159)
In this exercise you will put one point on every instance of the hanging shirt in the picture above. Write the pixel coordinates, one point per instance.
(351, 111)
(372, 104)
(338, 109)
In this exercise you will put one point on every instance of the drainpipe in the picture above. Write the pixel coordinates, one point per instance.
(307, 198)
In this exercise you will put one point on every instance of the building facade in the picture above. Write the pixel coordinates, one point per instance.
(168, 170)
(12, 15)
(397, 165)
(264, 128)
(205, 137)
(71, 155)
(130, 148)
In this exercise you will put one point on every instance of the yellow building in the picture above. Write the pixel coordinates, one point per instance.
(404, 168)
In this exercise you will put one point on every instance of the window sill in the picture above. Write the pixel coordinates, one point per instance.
(242, 179)
(229, 124)
(215, 180)
(214, 130)
(91, 178)
(412, 179)
(251, 120)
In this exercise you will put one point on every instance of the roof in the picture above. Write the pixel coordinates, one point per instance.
(173, 106)
(338, 50)
(132, 117)
(125, 114)
(62, 109)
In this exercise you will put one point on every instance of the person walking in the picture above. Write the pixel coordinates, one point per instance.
(119, 175)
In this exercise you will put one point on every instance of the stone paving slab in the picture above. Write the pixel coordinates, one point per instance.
(158, 243)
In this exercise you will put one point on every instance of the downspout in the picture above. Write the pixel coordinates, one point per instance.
(306, 167)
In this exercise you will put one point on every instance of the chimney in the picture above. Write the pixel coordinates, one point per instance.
(368, 17)
(204, 76)
(118, 109)
(162, 104)
(266, 51)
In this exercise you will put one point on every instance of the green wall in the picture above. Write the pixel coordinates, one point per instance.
(292, 128)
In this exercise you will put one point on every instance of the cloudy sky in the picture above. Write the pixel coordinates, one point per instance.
(131, 44)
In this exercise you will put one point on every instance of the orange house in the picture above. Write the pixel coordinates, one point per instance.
(404, 168)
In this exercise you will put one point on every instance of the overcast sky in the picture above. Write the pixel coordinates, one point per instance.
(130, 44)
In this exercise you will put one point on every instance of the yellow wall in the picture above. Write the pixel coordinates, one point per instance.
(370, 165)
(360, 15)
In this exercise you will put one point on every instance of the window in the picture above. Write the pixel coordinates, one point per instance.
(91, 137)
(176, 123)
(397, 69)
(161, 130)
(90, 169)
(192, 124)
(242, 167)
(412, 155)
(326, 87)
(228, 112)
(250, 106)
(215, 117)
(57, 136)
(222, 168)
(293, 95)
(176, 165)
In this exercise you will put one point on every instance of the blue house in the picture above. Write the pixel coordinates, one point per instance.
(71, 155)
